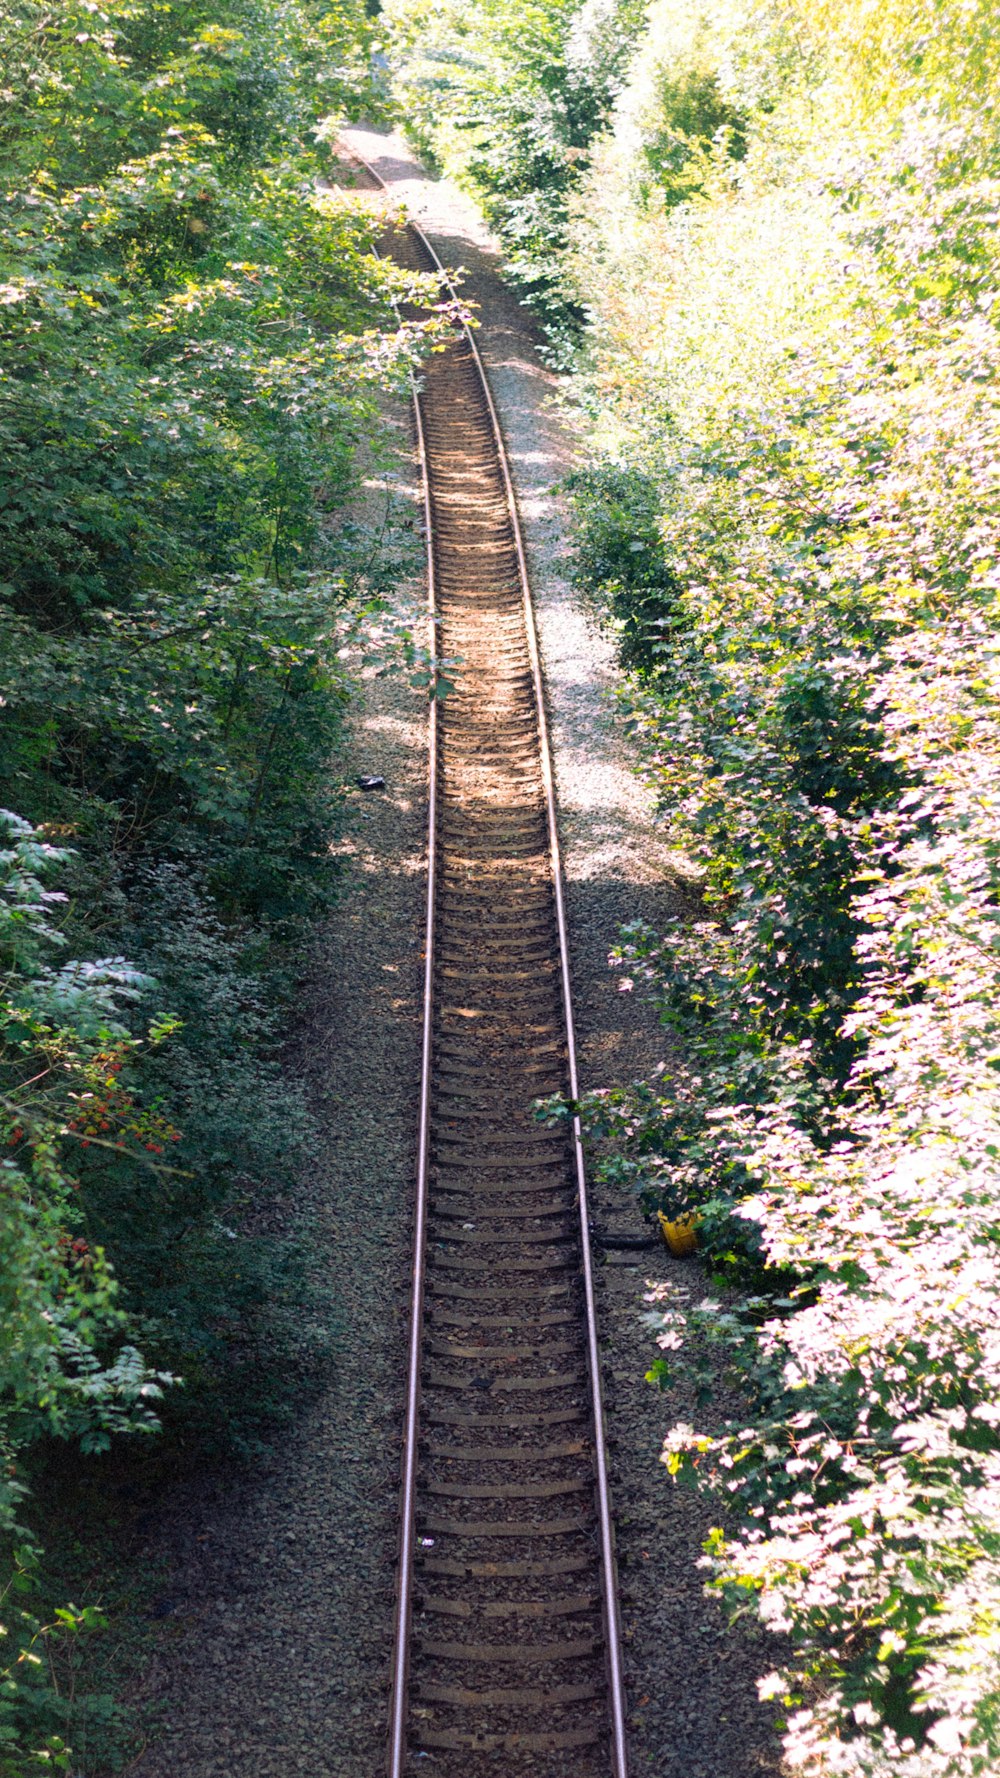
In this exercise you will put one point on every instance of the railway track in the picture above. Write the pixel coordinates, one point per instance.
(507, 1644)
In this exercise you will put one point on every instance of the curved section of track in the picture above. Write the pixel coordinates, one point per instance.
(507, 1656)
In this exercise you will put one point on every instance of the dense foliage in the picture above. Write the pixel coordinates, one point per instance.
(511, 97)
(785, 242)
(193, 341)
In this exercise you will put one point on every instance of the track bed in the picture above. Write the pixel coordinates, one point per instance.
(507, 1658)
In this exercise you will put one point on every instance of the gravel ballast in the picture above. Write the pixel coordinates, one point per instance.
(695, 1712)
(275, 1656)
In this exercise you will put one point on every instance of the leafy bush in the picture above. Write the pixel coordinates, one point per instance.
(68, 1366)
(620, 564)
(693, 121)
(509, 100)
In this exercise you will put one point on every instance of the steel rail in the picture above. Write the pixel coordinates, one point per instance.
(616, 1683)
(397, 1723)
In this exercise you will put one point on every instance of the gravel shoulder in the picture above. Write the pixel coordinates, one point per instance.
(274, 1656)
